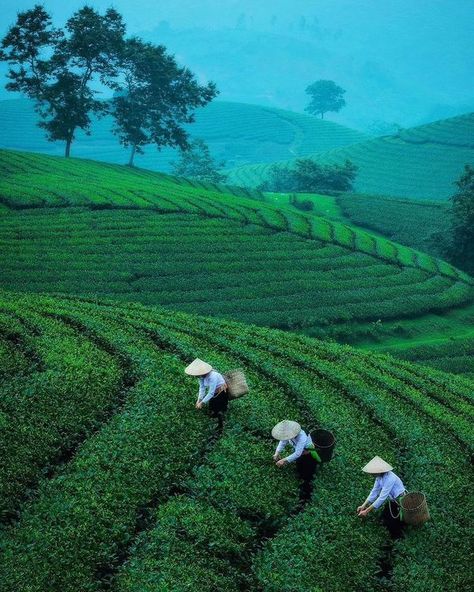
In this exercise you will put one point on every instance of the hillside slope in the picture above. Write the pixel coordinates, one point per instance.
(414, 223)
(420, 163)
(237, 133)
(117, 490)
(80, 227)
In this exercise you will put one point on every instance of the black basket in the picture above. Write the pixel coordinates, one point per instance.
(324, 442)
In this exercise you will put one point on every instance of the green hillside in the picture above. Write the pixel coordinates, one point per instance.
(442, 340)
(419, 163)
(80, 227)
(110, 479)
(237, 133)
(413, 223)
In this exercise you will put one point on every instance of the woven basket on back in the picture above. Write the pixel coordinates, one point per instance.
(236, 384)
(414, 508)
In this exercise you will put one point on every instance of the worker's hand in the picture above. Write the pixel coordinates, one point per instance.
(281, 463)
(199, 405)
(363, 513)
(359, 509)
(276, 456)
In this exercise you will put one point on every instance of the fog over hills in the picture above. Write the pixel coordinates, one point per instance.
(400, 62)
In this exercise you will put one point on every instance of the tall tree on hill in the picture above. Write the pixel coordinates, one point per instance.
(197, 163)
(56, 68)
(462, 241)
(156, 97)
(326, 96)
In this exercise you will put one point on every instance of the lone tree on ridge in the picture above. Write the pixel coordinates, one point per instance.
(326, 96)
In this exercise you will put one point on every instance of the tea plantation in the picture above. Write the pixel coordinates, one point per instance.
(236, 133)
(413, 223)
(111, 480)
(442, 339)
(79, 227)
(434, 155)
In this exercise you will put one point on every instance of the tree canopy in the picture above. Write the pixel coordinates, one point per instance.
(326, 96)
(57, 68)
(462, 240)
(197, 163)
(309, 176)
(156, 97)
(65, 70)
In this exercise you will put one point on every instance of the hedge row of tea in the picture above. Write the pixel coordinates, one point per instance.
(417, 224)
(34, 181)
(421, 162)
(135, 235)
(144, 495)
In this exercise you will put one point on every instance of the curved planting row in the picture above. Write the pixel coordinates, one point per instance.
(47, 181)
(52, 400)
(155, 498)
(296, 283)
(435, 447)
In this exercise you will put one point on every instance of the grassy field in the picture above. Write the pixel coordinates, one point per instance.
(418, 163)
(79, 227)
(110, 479)
(237, 133)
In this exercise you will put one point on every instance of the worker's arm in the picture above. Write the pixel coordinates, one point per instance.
(211, 390)
(300, 443)
(202, 390)
(279, 448)
(370, 498)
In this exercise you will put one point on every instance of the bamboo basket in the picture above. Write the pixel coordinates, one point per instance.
(236, 384)
(414, 508)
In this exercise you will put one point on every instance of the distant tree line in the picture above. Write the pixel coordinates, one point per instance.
(62, 71)
(309, 176)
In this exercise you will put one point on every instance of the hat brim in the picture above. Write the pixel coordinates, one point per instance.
(286, 430)
(198, 368)
(376, 466)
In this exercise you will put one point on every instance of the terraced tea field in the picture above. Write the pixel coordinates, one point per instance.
(78, 227)
(443, 340)
(419, 163)
(237, 133)
(110, 479)
(407, 221)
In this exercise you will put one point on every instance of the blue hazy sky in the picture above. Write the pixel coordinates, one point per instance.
(404, 61)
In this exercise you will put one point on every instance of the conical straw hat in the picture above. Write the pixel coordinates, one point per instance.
(198, 368)
(286, 430)
(377, 465)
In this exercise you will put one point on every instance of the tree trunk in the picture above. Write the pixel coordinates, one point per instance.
(132, 155)
(68, 147)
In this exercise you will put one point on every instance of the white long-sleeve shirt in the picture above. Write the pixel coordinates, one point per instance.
(386, 486)
(299, 443)
(210, 382)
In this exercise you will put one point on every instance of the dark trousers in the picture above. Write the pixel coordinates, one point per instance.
(395, 526)
(218, 406)
(306, 467)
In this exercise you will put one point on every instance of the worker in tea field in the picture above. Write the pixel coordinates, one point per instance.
(212, 389)
(389, 488)
(304, 453)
